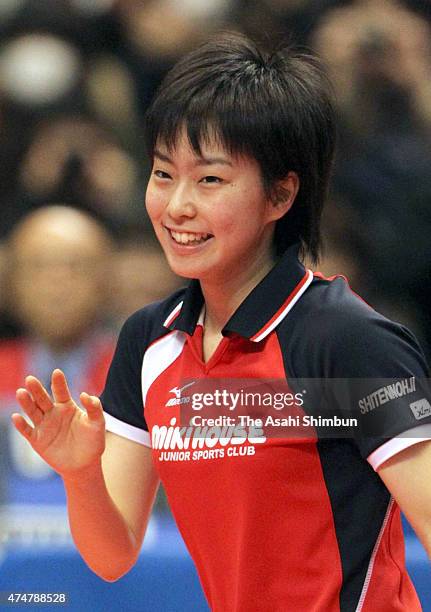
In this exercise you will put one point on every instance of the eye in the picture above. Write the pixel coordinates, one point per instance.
(209, 180)
(161, 174)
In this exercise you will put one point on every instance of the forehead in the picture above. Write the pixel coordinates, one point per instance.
(209, 149)
(193, 142)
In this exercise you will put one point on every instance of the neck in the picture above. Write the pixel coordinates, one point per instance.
(222, 297)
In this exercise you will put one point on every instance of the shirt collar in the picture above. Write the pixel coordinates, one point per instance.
(261, 311)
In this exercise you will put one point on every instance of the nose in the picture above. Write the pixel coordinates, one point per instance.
(181, 203)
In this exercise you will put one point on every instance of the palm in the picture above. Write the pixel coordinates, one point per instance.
(66, 437)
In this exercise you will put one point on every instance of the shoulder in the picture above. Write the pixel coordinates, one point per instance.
(148, 324)
(331, 311)
(122, 396)
(327, 311)
(333, 332)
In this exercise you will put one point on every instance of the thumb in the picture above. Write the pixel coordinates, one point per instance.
(93, 406)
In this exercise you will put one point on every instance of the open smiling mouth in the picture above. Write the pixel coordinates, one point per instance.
(188, 239)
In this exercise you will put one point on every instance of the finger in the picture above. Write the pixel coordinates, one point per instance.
(60, 389)
(93, 406)
(22, 426)
(28, 405)
(39, 394)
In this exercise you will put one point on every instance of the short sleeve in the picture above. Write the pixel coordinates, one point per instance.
(380, 378)
(355, 364)
(122, 396)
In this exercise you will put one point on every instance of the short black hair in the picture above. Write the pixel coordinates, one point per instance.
(273, 106)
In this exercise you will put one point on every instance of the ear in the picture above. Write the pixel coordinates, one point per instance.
(283, 195)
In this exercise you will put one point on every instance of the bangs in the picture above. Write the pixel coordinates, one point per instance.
(218, 112)
(204, 118)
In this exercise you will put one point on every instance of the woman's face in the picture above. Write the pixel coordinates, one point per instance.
(210, 213)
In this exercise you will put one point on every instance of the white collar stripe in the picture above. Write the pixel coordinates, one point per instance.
(173, 315)
(287, 306)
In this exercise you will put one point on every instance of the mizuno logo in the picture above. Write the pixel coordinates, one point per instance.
(175, 401)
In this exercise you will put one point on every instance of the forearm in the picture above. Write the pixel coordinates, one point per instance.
(406, 475)
(100, 532)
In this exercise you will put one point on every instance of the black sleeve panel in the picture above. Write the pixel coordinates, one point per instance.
(358, 364)
(122, 395)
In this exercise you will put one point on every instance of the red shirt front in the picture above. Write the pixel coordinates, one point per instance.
(273, 522)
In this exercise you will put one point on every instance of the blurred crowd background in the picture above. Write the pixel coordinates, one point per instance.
(77, 254)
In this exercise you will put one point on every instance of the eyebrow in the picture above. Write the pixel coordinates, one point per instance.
(200, 161)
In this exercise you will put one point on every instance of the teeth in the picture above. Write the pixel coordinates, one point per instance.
(186, 238)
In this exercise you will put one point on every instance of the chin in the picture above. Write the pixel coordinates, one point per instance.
(184, 272)
(189, 271)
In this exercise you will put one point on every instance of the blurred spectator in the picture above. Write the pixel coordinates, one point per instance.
(379, 55)
(155, 33)
(377, 51)
(57, 63)
(164, 29)
(40, 74)
(73, 159)
(269, 19)
(112, 97)
(38, 69)
(58, 261)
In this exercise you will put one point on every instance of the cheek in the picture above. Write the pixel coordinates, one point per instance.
(241, 216)
(224, 215)
(225, 223)
(154, 203)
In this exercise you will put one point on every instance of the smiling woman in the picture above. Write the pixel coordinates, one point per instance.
(273, 108)
(241, 142)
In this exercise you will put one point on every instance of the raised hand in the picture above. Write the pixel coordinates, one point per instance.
(69, 439)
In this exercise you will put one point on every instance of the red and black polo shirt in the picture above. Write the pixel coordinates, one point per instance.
(279, 522)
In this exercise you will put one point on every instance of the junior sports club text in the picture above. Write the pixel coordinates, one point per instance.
(196, 442)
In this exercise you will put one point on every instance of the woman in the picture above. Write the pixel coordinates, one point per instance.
(242, 145)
